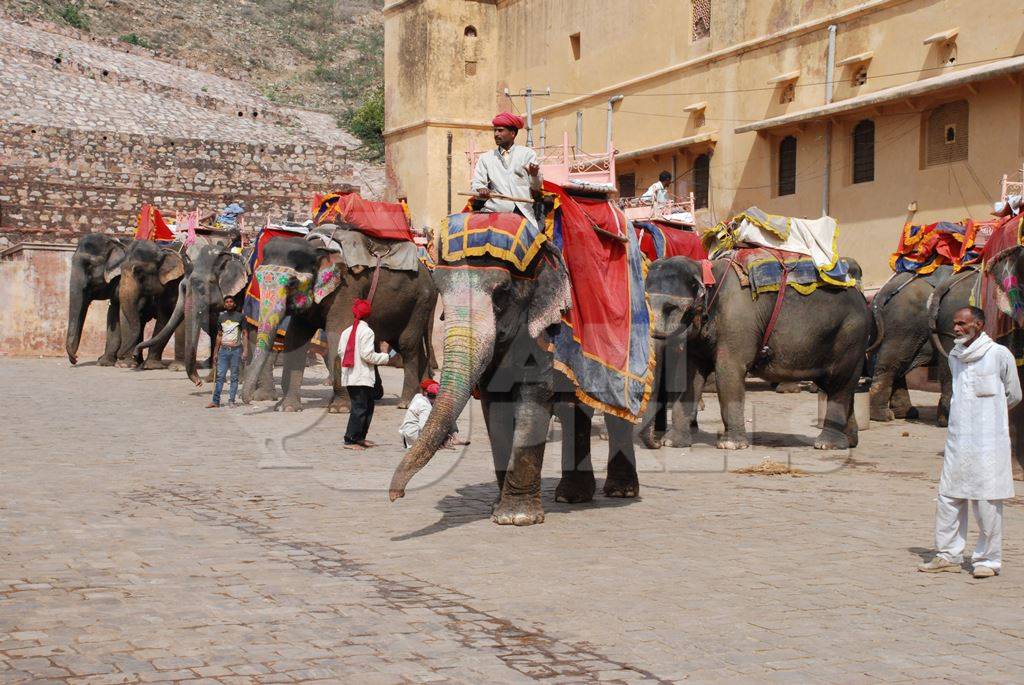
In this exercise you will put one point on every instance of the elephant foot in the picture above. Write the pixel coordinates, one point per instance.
(152, 364)
(727, 441)
(883, 415)
(830, 440)
(106, 361)
(576, 487)
(677, 439)
(647, 439)
(264, 395)
(522, 510)
(338, 406)
(622, 485)
(177, 366)
(788, 387)
(291, 404)
(128, 363)
(912, 414)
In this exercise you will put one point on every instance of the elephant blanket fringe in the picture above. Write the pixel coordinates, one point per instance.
(381, 220)
(505, 236)
(660, 240)
(924, 248)
(815, 238)
(763, 269)
(604, 344)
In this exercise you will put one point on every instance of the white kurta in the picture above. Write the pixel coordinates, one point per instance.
(976, 464)
(361, 372)
(507, 177)
(415, 418)
(656, 193)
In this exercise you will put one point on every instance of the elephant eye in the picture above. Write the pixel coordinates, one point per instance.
(501, 297)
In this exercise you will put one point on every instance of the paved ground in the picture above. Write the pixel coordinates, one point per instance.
(146, 539)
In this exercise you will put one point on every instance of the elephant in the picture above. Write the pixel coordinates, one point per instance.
(497, 323)
(821, 336)
(213, 274)
(900, 311)
(316, 287)
(94, 277)
(148, 289)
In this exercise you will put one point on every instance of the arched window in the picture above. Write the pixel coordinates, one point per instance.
(701, 180)
(469, 50)
(787, 166)
(864, 151)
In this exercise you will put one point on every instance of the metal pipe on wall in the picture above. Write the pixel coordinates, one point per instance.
(449, 172)
(830, 64)
(611, 104)
(579, 130)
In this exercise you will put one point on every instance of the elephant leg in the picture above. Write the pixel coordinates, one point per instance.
(731, 373)
(499, 419)
(413, 363)
(839, 430)
(622, 480)
(109, 357)
(902, 407)
(577, 483)
(178, 364)
(520, 496)
(154, 355)
(946, 393)
(339, 397)
(296, 343)
(881, 394)
(685, 406)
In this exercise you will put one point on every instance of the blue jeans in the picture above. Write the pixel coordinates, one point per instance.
(227, 357)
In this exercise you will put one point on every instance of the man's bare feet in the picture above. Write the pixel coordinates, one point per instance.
(367, 443)
(213, 405)
(355, 446)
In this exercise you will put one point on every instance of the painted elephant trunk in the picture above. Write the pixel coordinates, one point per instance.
(468, 348)
(162, 336)
(273, 302)
(77, 308)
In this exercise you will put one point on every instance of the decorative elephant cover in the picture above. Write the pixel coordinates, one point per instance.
(604, 344)
(1001, 295)
(381, 220)
(659, 240)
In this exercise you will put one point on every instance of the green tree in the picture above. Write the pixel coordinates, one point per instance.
(367, 123)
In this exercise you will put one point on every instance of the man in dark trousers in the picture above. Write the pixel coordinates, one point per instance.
(358, 374)
(228, 350)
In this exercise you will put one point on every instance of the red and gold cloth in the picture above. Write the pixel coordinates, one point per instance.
(660, 240)
(382, 220)
(151, 225)
(1005, 236)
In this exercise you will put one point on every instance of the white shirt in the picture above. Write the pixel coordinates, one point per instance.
(361, 372)
(656, 193)
(976, 463)
(415, 417)
(505, 173)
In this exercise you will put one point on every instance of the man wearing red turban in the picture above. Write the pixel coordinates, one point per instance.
(358, 374)
(510, 170)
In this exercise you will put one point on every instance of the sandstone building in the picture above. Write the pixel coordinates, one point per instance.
(921, 101)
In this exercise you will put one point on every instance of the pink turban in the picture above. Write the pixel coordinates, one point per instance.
(508, 121)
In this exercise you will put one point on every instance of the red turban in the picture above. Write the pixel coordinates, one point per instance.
(508, 121)
(430, 387)
(360, 310)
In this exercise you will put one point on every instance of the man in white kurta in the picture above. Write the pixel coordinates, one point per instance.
(510, 170)
(976, 466)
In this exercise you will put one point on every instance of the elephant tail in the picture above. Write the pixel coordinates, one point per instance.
(167, 331)
(876, 314)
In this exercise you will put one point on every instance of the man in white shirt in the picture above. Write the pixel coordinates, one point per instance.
(418, 412)
(657, 193)
(358, 375)
(510, 170)
(976, 467)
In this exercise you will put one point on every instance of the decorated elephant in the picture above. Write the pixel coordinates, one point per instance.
(214, 273)
(505, 336)
(819, 336)
(148, 289)
(94, 277)
(314, 281)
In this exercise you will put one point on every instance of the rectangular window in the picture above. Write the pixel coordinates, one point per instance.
(574, 42)
(701, 19)
(864, 151)
(787, 166)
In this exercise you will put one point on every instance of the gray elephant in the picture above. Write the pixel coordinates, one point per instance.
(94, 277)
(148, 290)
(313, 282)
(214, 273)
(497, 324)
(821, 336)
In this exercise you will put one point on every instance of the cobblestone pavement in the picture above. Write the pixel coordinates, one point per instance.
(146, 539)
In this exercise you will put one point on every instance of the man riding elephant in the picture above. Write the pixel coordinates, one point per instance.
(508, 171)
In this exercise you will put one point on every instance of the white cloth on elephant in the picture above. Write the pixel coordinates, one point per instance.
(976, 464)
(815, 238)
(415, 419)
(951, 530)
(361, 371)
(506, 174)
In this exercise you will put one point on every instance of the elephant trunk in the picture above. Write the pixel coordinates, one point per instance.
(131, 317)
(78, 305)
(273, 302)
(468, 347)
(163, 335)
(197, 314)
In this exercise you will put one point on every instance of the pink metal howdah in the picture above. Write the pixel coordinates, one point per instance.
(564, 163)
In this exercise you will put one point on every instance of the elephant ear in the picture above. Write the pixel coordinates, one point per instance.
(551, 296)
(328, 275)
(112, 266)
(231, 275)
(172, 267)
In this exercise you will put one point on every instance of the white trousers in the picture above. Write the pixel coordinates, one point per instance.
(951, 530)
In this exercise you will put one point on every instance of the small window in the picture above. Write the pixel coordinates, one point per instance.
(787, 93)
(574, 43)
(946, 133)
(864, 151)
(701, 19)
(627, 185)
(787, 166)
(701, 181)
(860, 77)
(469, 50)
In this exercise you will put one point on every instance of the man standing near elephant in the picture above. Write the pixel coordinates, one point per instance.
(358, 359)
(229, 351)
(510, 170)
(976, 466)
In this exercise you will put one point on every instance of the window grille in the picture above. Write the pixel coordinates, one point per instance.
(946, 133)
(701, 13)
(864, 151)
(701, 181)
(787, 166)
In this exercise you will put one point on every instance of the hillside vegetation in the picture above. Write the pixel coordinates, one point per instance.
(325, 55)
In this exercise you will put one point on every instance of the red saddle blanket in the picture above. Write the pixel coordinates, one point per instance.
(659, 240)
(382, 220)
(151, 225)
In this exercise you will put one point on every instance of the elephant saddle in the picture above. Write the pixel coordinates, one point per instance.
(764, 269)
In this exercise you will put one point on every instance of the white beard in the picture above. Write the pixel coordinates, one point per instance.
(962, 340)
